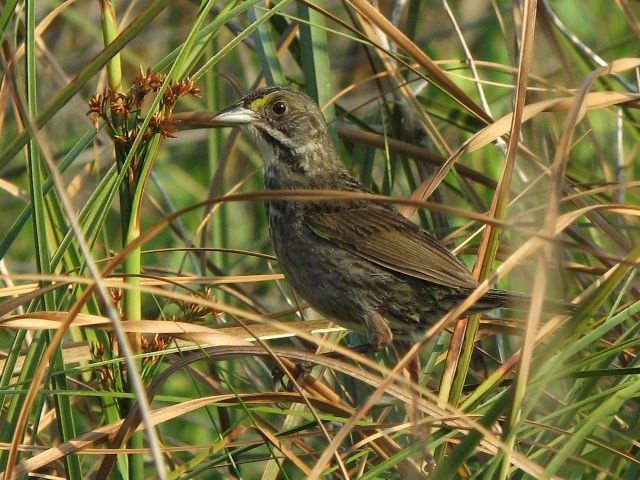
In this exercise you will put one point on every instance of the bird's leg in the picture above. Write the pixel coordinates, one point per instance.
(379, 335)
(301, 369)
(365, 348)
(401, 347)
(421, 430)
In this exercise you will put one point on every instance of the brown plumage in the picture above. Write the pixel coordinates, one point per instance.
(359, 263)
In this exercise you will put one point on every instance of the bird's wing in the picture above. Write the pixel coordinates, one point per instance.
(385, 237)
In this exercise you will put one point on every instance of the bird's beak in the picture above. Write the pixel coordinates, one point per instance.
(234, 115)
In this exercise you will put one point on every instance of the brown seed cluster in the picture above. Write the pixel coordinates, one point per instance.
(114, 375)
(123, 112)
(192, 312)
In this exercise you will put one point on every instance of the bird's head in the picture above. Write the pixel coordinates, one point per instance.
(288, 126)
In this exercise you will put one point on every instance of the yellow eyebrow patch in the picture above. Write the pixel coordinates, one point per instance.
(260, 102)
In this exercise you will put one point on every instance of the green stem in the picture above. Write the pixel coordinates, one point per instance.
(132, 297)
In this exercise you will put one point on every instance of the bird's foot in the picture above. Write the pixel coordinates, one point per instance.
(296, 370)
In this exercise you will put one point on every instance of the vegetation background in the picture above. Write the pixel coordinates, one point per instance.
(508, 129)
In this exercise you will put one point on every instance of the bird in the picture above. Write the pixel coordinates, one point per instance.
(359, 263)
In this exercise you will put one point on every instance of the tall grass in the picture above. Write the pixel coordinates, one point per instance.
(142, 311)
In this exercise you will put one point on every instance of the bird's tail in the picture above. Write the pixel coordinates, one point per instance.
(521, 301)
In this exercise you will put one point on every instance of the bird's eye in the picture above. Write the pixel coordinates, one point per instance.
(279, 108)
